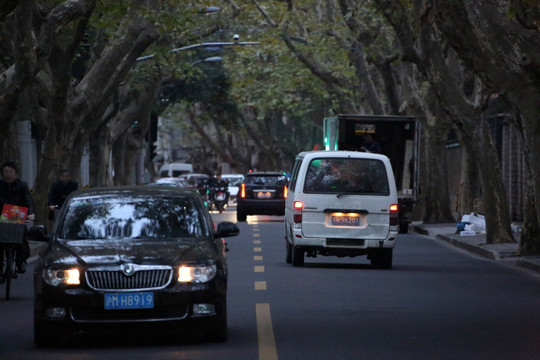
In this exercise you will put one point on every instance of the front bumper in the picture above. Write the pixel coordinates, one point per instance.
(81, 308)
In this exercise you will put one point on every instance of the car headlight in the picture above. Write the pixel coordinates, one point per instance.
(196, 274)
(56, 277)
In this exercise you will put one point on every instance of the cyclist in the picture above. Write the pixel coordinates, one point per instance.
(60, 190)
(14, 191)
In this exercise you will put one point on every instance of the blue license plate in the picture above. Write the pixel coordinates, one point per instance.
(142, 300)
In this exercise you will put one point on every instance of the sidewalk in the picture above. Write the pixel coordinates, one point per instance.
(477, 244)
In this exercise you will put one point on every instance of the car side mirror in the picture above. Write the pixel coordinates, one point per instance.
(38, 233)
(226, 229)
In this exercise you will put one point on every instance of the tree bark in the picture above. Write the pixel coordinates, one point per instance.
(100, 148)
(435, 132)
(469, 187)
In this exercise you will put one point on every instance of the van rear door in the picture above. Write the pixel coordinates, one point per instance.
(347, 197)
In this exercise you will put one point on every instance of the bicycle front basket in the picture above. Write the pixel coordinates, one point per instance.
(12, 233)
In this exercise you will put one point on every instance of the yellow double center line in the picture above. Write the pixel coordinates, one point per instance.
(265, 331)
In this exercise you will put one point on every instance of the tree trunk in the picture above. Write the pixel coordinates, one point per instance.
(99, 147)
(74, 162)
(51, 161)
(496, 209)
(528, 246)
(469, 187)
(435, 188)
(8, 147)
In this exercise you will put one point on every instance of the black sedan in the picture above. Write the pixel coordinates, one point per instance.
(132, 256)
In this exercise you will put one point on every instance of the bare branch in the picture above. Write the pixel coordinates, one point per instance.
(264, 14)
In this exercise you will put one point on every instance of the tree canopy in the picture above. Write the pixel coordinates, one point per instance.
(73, 68)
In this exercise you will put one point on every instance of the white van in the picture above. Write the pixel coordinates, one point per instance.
(341, 203)
(175, 169)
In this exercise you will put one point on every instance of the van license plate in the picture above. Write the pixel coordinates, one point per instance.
(143, 300)
(346, 220)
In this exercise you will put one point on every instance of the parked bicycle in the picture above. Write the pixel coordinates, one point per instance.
(11, 235)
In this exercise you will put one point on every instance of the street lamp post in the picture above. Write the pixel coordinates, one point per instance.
(209, 45)
(210, 59)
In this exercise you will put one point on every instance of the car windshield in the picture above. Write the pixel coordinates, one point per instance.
(122, 217)
(266, 180)
(347, 176)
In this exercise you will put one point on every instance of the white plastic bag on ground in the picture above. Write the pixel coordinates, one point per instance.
(478, 222)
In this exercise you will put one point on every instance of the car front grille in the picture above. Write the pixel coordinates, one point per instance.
(130, 277)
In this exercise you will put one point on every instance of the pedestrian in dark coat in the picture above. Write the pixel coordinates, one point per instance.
(61, 189)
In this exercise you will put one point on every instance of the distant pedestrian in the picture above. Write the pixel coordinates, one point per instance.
(60, 190)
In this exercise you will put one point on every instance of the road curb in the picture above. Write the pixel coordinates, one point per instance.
(529, 264)
(471, 248)
(420, 230)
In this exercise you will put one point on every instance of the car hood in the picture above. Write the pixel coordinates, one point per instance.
(90, 253)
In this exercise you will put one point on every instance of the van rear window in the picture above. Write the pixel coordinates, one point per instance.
(346, 176)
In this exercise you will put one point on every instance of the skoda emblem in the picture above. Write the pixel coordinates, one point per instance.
(128, 269)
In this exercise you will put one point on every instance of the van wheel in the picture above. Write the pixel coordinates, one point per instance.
(403, 227)
(288, 256)
(297, 256)
(382, 258)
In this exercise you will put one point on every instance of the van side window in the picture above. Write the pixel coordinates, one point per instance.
(294, 174)
(347, 176)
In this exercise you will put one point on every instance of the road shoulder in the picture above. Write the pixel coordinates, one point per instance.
(476, 244)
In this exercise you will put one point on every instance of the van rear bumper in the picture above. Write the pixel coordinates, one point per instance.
(340, 243)
(261, 207)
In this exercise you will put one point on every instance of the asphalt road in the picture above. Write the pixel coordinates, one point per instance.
(436, 303)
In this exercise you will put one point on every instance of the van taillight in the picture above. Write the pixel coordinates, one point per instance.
(297, 211)
(285, 192)
(394, 217)
(243, 191)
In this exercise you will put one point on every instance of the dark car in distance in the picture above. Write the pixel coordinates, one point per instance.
(132, 256)
(261, 193)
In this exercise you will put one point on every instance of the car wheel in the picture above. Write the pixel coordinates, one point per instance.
(220, 333)
(297, 256)
(288, 256)
(240, 215)
(46, 335)
(403, 227)
(382, 258)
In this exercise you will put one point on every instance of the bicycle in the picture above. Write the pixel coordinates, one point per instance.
(11, 235)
